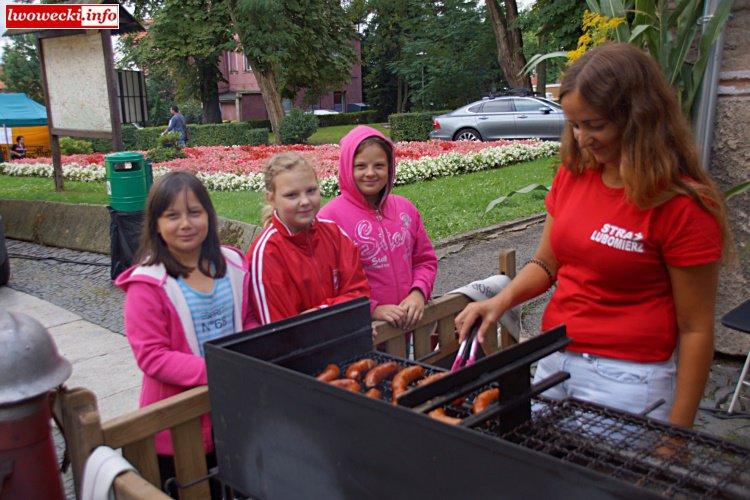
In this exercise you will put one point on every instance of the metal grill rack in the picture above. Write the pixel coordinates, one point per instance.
(673, 462)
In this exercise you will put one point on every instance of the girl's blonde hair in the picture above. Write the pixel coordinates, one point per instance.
(658, 156)
(277, 164)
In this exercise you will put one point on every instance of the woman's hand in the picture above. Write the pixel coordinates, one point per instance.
(390, 313)
(413, 306)
(488, 311)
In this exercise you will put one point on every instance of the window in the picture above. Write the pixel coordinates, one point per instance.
(338, 101)
(475, 109)
(248, 68)
(287, 105)
(497, 106)
(528, 105)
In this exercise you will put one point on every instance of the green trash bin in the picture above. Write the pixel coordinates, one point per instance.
(128, 181)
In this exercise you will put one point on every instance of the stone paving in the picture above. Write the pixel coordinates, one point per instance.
(76, 281)
(79, 283)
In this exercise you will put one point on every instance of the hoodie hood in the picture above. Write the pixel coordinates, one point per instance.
(349, 145)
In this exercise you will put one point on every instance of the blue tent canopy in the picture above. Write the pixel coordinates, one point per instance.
(17, 110)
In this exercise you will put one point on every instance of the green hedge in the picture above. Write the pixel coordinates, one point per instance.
(357, 118)
(213, 134)
(412, 126)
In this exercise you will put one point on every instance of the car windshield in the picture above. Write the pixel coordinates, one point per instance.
(551, 103)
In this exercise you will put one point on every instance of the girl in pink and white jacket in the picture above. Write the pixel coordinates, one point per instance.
(187, 289)
(394, 248)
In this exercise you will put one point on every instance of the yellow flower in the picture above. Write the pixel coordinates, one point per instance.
(597, 29)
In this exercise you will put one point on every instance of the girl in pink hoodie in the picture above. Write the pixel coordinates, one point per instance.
(394, 248)
(186, 289)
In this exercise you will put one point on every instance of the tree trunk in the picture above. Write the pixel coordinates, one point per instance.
(402, 96)
(541, 68)
(272, 100)
(508, 41)
(266, 81)
(209, 90)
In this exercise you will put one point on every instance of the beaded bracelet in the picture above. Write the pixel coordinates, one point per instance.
(543, 265)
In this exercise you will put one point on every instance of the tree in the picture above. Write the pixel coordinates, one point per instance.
(384, 39)
(20, 67)
(444, 58)
(504, 15)
(549, 26)
(185, 39)
(294, 45)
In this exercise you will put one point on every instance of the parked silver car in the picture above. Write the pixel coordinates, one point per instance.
(501, 118)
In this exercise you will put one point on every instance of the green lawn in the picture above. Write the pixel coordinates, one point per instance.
(449, 205)
(332, 135)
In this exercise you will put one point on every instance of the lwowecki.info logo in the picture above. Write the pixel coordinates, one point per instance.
(62, 16)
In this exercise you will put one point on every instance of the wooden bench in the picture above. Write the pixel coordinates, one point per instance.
(134, 432)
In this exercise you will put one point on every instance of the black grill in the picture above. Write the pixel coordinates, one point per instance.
(282, 434)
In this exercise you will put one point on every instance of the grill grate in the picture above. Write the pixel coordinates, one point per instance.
(617, 444)
(620, 445)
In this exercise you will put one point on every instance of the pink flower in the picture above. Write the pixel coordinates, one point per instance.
(246, 160)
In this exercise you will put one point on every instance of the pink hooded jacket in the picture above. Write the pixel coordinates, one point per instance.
(394, 248)
(161, 333)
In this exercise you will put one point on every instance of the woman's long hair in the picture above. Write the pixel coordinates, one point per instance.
(153, 249)
(658, 156)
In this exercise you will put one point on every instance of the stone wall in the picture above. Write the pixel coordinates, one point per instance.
(86, 227)
(730, 165)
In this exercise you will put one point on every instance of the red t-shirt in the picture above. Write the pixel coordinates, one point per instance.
(613, 288)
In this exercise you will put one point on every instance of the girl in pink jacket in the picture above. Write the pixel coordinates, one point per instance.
(186, 289)
(394, 248)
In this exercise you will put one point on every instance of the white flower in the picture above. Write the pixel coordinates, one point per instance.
(407, 171)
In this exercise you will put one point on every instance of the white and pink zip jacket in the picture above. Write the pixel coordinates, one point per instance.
(160, 330)
(394, 248)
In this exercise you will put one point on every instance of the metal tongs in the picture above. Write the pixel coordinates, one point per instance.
(467, 355)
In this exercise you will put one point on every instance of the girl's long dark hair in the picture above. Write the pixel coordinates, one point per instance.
(153, 249)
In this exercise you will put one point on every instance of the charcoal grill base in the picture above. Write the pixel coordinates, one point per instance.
(280, 433)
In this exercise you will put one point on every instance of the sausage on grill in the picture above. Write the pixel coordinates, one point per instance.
(439, 414)
(403, 378)
(347, 383)
(331, 372)
(484, 399)
(432, 378)
(359, 368)
(374, 394)
(380, 373)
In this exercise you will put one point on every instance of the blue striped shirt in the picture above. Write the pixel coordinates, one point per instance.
(212, 313)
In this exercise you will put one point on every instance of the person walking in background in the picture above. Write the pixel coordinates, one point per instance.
(177, 124)
(18, 150)
(633, 237)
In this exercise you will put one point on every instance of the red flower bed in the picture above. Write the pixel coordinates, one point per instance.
(250, 159)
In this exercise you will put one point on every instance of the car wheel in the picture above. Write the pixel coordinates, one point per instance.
(467, 134)
(5, 272)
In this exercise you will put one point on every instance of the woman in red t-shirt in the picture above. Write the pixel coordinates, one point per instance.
(633, 236)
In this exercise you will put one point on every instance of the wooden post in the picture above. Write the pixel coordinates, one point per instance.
(507, 266)
(54, 139)
(83, 429)
(111, 75)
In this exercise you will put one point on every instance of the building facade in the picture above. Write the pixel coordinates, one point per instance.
(241, 100)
